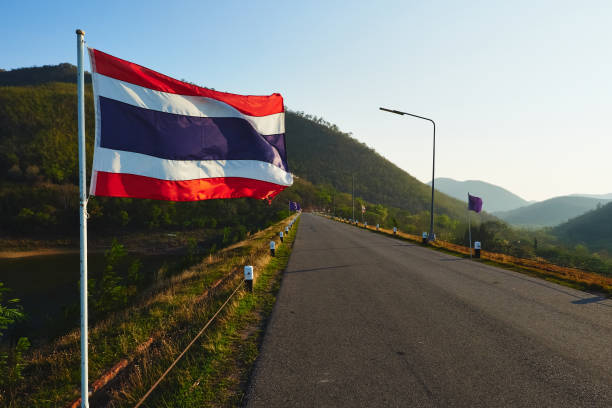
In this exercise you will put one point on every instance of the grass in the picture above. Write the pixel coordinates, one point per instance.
(540, 268)
(146, 335)
(216, 371)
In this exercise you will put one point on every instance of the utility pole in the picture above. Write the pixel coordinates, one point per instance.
(334, 203)
(353, 197)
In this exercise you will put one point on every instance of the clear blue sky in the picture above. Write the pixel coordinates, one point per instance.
(521, 90)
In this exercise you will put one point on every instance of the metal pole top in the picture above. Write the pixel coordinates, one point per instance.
(79, 31)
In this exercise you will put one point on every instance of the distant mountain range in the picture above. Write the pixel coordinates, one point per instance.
(550, 212)
(601, 196)
(494, 198)
(517, 211)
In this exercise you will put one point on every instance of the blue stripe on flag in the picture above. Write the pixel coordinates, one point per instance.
(178, 137)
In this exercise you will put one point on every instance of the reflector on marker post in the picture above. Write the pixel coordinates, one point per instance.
(248, 277)
(477, 249)
(272, 247)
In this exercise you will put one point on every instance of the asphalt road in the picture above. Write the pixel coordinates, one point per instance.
(364, 320)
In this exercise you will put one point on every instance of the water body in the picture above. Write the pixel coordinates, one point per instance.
(48, 289)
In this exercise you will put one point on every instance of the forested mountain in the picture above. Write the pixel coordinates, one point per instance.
(38, 147)
(38, 175)
(494, 198)
(593, 229)
(321, 153)
(550, 212)
(40, 75)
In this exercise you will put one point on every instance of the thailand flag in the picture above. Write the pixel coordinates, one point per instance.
(163, 139)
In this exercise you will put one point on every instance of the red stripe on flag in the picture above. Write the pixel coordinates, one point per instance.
(253, 105)
(130, 185)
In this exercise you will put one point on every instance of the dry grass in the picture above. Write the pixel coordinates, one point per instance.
(168, 313)
(540, 267)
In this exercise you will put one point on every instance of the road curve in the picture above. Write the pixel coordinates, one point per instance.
(364, 320)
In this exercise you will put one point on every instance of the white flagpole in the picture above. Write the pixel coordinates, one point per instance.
(469, 226)
(83, 218)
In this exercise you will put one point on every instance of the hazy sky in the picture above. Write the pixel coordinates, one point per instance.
(521, 91)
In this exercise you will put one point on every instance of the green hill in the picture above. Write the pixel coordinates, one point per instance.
(321, 153)
(38, 175)
(38, 143)
(593, 229)
(40, 75)
(494, 198)
(550, 212)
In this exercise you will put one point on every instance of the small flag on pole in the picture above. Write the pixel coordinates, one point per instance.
(474, 203)
(293, 206)
(164, 139)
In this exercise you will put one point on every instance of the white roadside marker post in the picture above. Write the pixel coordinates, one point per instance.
(272, 247)
(281, 236)
(377, 227)
(477, 249)
(394, 230)
(248, 277)
(424, 237)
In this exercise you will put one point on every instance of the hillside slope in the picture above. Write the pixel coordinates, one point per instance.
(601, 196)
(321, 153)
(40, 75)
(593, 229)
(38, 125)
(550, 212)
(494, 198)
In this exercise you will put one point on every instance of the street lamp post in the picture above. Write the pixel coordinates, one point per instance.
(353, 196)
(433, 167)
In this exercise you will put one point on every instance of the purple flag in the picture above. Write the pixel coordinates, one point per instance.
(293, 206)
(474, 203)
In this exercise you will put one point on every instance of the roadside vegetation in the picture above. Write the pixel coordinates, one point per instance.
(38, 193)
(535, 266)
(496, 236)
(133, 345)
(39, 203)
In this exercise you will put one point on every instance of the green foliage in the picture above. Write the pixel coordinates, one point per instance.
(192, 251)
(11, 356)
(38, 137)
(39, 172)
(592, 229)
(321, 153)
(39, 75)
(120, 279)
(10, 312)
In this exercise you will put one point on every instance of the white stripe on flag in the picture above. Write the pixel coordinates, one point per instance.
(117, 161)
(198, 106)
